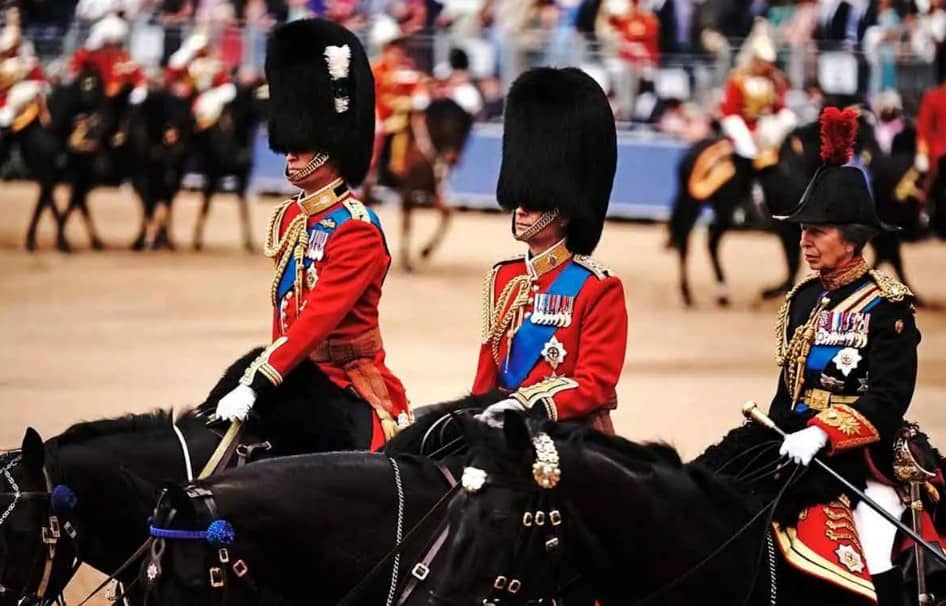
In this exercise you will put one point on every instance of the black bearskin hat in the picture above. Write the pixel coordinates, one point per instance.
(559, 151)
(312, 109)
(838, 194)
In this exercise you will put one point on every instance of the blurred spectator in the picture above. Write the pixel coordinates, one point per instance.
(684, 120)
(676, 24)
(174, 16)
(843, 21)
(929, 30)
(888, 107)
(881, 43)
(510, 21)
(258, 22)
(638, 32)
(797, 32)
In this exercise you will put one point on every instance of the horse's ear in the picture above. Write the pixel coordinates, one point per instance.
(518, 438)
(34, 453)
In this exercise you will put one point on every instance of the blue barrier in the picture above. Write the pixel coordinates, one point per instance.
(644, 186)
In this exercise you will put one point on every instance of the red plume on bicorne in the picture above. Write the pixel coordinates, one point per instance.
(838, 131)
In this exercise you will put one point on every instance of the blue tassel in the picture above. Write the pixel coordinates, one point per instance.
(62, 499)
(220, 533)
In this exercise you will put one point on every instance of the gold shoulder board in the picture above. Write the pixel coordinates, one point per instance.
(600, 271)
(357, 210)
(890, 289)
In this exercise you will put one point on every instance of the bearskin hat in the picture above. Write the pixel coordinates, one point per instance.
(321, 94)
(559, 151)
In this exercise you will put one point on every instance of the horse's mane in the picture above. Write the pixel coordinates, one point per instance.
(130, 423)
(625, 452)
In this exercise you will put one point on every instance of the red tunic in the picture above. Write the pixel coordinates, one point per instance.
(752, 96)
(931, 126)
(593, 344)
(331, 316)
(640, 35)
(113, 65)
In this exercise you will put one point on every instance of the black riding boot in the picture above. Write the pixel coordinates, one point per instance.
(890, 588)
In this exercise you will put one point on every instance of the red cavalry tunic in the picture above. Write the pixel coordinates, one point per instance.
(931, 126)
(752, 96)
(113, 65)
(589, 353)
(330, 315)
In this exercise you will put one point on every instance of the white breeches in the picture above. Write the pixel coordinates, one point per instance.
(876, 533)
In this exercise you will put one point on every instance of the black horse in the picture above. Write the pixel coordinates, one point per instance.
(226, 148)
(283, 526)
(631, 520)
(43, 154)
(159, 134)
(711, 176)
(92, 470)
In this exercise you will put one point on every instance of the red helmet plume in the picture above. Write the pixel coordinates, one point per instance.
(838, 131)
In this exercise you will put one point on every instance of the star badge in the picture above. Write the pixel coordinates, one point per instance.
(554, 352)
(849, 557)
(847, 360)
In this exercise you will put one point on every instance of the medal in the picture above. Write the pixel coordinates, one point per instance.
(847, 360)
(554, 352)
(311, 277)
(317, 242)
(552, 310)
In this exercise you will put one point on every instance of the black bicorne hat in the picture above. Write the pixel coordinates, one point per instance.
(837, 194)
(559, 151)
(321, 94)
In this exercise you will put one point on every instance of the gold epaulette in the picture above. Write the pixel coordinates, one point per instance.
(890, 289)
(357, 210)
(600, 271)
(781, 320)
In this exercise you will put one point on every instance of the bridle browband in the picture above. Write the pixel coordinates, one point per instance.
(49, 535)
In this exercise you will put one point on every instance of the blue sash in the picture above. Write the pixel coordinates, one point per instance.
(334, 220)
(526, 348)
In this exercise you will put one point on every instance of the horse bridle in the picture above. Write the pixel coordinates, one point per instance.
(49, 535)
(542, 522)
(220, 563)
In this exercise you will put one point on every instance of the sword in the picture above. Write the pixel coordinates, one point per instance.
(752, 411)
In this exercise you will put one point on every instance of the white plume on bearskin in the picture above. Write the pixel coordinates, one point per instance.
(338, 60)
(321, 94)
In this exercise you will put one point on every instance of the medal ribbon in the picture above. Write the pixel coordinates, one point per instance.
(526, 347)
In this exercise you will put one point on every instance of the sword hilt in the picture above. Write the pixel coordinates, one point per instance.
(751, 411)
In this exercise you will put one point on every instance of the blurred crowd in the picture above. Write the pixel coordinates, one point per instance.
(663, 62)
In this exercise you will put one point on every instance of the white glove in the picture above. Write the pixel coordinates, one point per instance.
(237, 404)
(736, 129)
(922, 163)
(6, 116)
(802, 446)
(493, 415)
(138, 95)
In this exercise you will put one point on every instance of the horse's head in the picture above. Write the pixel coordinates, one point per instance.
(505, 537)
(192, 558)
(35, 563)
